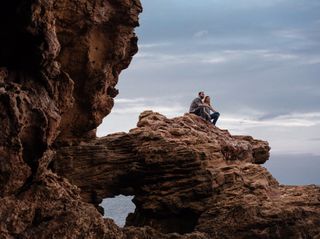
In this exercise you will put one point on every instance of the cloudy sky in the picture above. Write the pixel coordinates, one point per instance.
(258, 60)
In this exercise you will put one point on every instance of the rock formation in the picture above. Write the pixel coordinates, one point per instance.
(59, 65)
(189, 176)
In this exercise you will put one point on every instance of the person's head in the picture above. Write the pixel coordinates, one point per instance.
(201, 94)
(207, 100)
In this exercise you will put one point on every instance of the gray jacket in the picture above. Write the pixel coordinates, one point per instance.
(195, 105)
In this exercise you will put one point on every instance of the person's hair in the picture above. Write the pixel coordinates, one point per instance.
(200, 92)
(207, 98)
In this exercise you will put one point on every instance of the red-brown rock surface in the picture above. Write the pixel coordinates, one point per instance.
(59, 64)
(188, 176)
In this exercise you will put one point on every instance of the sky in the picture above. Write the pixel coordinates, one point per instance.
(258, 60)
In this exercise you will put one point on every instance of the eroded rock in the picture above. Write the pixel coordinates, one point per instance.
(189, 176)
(59, 65)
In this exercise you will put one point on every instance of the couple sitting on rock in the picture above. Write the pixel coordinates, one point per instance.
(201, 106)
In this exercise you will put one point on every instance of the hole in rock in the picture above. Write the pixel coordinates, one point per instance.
(118, 208)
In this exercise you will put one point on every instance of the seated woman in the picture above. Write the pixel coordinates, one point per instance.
(215, 115)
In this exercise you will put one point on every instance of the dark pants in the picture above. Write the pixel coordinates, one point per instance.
(215, 116)
(200, 112)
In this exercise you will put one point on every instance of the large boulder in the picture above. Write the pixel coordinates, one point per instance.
(189, 176)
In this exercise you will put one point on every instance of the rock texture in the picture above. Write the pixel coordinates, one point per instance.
(188, 176)
(59, 65)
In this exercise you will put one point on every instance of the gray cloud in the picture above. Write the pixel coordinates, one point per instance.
(315, 139)
(259, 60)
(273, 81)
(293, 169)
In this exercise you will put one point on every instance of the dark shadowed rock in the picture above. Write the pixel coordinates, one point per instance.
(59, 66)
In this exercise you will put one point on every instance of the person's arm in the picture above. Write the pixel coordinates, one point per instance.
(207, 115)
(203, 105)
(213, 110)
(210, 107)
(200, 104)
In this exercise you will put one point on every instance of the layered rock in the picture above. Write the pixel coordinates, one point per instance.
(59, 65)
(189, 176)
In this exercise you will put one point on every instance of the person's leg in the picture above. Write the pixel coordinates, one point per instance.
(215, 117)
(198, 112)
(204, 115)
(207, 117)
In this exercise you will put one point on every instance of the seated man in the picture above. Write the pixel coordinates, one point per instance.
(197, 107)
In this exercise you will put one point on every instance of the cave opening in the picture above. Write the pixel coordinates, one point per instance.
(118, 208)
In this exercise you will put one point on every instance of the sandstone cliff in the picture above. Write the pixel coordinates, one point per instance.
(59, 65)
